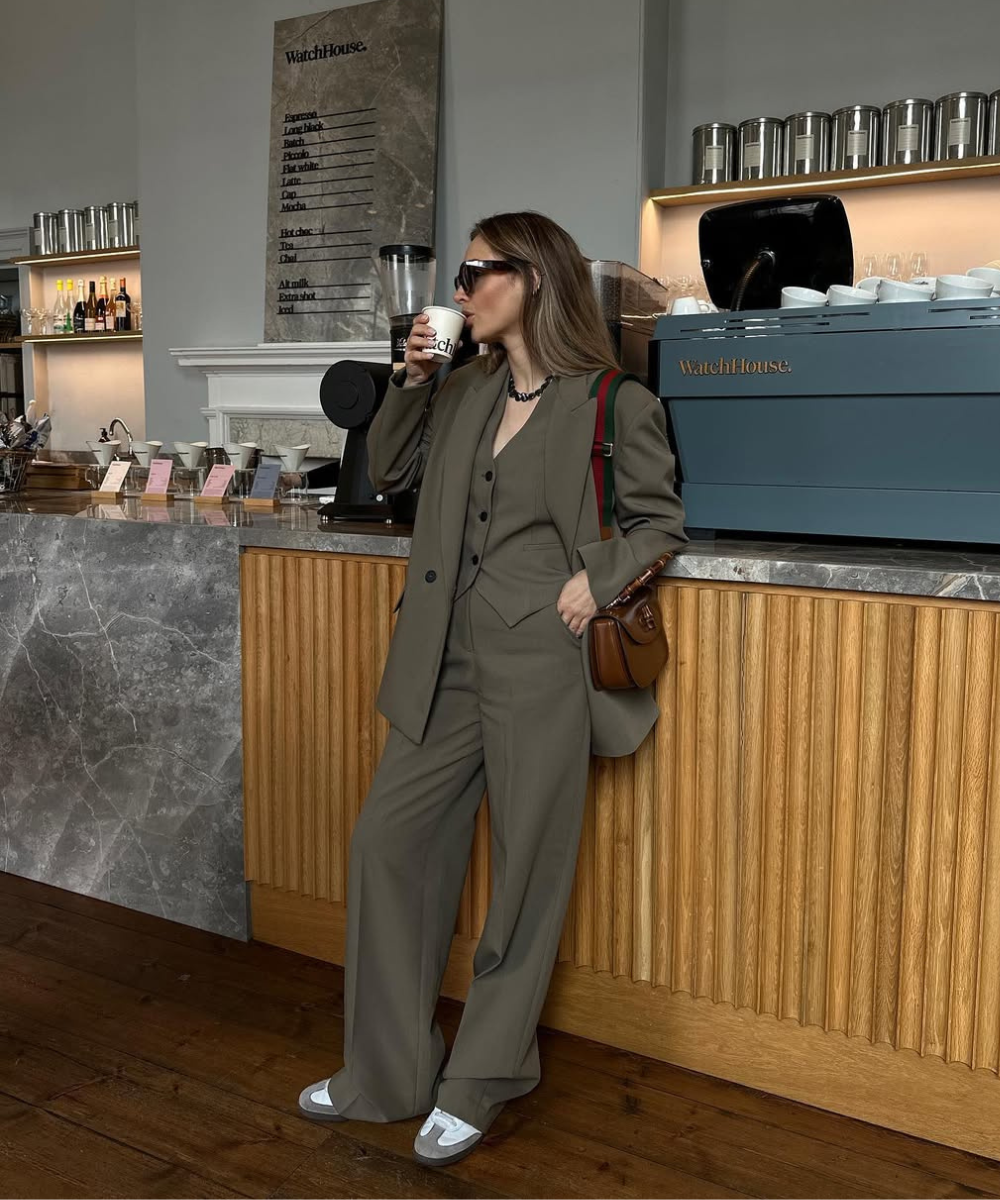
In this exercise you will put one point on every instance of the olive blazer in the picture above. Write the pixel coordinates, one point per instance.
(417, 438)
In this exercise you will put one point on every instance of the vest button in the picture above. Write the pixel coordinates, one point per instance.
(488, 476)
(475, 560)
(483, 516)
(430, 576)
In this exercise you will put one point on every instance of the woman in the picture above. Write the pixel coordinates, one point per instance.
(487, 683)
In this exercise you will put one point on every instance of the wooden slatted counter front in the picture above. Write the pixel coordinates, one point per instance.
(794, 883)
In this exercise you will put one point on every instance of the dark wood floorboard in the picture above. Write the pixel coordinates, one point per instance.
(142, 1058)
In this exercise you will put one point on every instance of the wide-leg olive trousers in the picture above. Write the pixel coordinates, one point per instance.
(510, 715)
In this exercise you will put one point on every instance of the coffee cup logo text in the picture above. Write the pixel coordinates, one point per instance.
(445, 346)
(735, 366)
(326, 50)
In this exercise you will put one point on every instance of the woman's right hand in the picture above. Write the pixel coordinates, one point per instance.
(420, 366)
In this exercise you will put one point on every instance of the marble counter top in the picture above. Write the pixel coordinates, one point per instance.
(896, 569)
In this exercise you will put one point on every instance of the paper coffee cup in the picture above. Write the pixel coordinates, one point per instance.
(447, 324)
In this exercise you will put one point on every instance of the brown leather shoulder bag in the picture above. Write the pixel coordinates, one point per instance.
(628, 643)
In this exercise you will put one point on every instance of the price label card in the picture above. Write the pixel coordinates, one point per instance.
(218, 480)
(159, 476)
(265, 480)
(114, 480)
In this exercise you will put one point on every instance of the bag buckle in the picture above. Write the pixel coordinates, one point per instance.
(606, 449)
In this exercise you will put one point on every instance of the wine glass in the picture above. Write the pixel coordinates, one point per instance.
(892, 265)
(919, 264)
(868, 265)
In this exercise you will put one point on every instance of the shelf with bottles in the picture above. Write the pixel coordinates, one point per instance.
(70, 313)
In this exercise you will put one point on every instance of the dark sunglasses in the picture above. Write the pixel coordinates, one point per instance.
(472, 270)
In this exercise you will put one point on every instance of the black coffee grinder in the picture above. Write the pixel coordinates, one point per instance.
(351, 392)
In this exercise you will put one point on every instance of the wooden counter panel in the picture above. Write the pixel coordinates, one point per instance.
(810, 834)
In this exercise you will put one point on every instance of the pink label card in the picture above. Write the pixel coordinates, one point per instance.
(114, 480)
(218, 480)
(159, 476)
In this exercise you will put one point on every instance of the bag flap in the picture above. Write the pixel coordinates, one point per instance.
(638, 617)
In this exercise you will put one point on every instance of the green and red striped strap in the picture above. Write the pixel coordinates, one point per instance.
(604, 389)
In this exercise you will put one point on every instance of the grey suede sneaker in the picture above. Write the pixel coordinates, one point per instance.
(444, 1139)
(311, 1106)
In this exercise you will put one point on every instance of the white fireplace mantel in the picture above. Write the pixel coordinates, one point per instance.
(270, 380)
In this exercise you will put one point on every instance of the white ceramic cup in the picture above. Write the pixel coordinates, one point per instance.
(989, 275)
(896, 291)
(104, 452)
(928, 281)
(291, 456)
(870, 284)
(191, 452)
(145, 452)
(961, 287)
(801, 297)
(688, 306)
(447, 324)
(840, 293)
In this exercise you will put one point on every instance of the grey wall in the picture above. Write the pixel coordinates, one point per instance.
(540, 109)
(728, 60)
(54, 55)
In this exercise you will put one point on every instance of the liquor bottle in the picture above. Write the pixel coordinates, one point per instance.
(102, 306)
(123, 308)
(80, 311)
(90, 311)
(59, 310)
(68, 294)
(111, 312)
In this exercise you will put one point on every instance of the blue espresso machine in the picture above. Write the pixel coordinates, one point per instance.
(862, 421)
(876, 421)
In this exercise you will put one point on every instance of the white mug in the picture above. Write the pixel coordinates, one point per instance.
(802, 297)
(962, 287)
(987, 274)
(870, 284)
(896, 291)
(840, 293)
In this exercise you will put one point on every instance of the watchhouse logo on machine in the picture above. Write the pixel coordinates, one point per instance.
(734, 366)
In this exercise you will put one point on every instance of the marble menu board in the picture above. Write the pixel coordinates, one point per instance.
(354, 116)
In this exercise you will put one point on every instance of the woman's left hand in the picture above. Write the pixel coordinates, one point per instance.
(575, 604)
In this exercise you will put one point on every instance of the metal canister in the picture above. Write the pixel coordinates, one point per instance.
(855, 137)
(714, 153)
(907, 131)
(807, 143)
(45, 233)
(760, 144)
(960, 125)
(993, 134)
(70, 229)
(134, 206)
(120, 224)
(95, 227)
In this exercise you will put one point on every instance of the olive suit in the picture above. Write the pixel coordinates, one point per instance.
(486, 687)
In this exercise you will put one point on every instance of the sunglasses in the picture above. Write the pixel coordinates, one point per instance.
(473, 269)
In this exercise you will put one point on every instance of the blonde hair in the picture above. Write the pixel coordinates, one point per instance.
(561, 324)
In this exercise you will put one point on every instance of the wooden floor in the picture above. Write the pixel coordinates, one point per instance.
(142, 1058)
